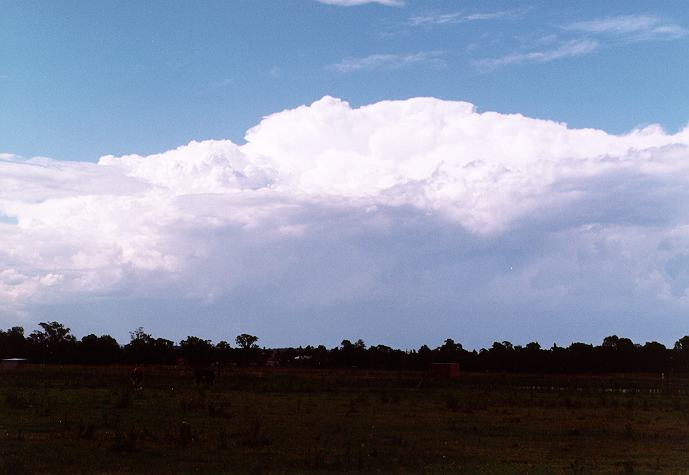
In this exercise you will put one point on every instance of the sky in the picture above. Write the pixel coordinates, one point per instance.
(309, 171)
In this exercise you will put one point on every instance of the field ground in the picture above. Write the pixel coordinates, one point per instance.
(85, 419)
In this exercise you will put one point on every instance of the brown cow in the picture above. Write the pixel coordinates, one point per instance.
(136, 377)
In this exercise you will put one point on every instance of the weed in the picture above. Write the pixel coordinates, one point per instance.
(85, 431)
(397, 441)
(18, 401)
(298, 424)
(191, 404)
(222, 439)
(353, 406)
(255, 434)
(186, 434)
(628, 433)
(13, 464)
(125, 442)
(627, 466)
(123, 400)
(216, 411)
(578, 467)
(451, 402)
(677, 404)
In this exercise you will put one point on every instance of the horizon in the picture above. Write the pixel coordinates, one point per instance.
(311, 170)
(138, 332)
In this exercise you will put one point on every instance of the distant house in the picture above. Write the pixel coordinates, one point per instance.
(12, 363)
(444, 370)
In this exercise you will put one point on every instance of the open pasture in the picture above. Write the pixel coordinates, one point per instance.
(77, 418)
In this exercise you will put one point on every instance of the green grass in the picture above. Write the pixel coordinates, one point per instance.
(70, 419)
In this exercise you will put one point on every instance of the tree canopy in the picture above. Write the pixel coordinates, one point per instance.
(53, 342)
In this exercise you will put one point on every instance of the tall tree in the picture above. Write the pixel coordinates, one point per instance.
(53, 344)
(246, 341)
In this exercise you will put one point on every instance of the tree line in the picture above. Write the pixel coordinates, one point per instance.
(53, 343)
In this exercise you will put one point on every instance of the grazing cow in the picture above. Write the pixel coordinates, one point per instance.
(136, 376)
(204, 376)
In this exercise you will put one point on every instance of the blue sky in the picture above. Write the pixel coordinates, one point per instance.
(84, 79)
(308, 171)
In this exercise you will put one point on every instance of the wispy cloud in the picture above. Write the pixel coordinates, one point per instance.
(565, 50)
(631, 27)
(388, 61)
(581, 38)
(351, 3)
(434, 19)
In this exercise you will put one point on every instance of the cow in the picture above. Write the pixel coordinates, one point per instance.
(136, 376)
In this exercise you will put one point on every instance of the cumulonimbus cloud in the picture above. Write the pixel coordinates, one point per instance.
(327, 204)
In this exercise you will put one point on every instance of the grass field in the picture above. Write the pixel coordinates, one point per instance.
(72, 419)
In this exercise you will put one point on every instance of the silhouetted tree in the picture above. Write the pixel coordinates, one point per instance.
(140, 348)
(249, 352)
(224, 352)
(13, 343)
(424, 357)
(500, 357)
(320, 356)
(53, 344)
(580, 357)
(655, 356)
(143, 348)
(682, 344)
(246, 341)
(196, 351)
(449, 352)
(99, 350)
(681, 353)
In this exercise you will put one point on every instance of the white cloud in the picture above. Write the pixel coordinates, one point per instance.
(589, 37)
(351, 3)
(631, 27)
(388, 61)
(367, 216)
(568, 49)
(434, 19)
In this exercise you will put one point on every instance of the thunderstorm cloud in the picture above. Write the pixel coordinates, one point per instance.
(411, 215)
